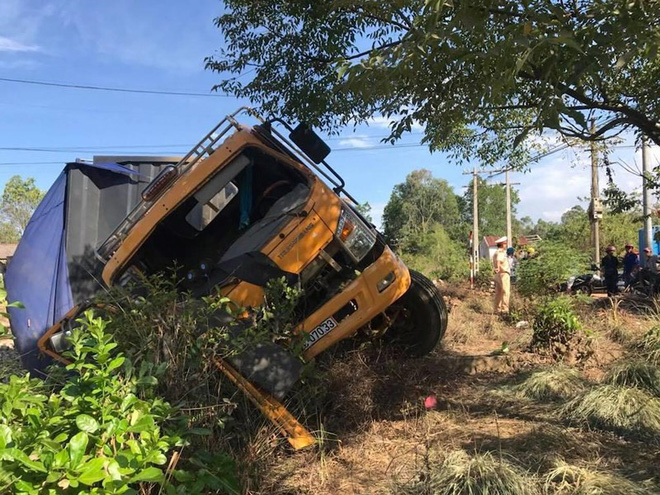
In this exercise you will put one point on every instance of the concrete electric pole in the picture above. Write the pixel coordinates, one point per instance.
(646, 197)
(595, 208)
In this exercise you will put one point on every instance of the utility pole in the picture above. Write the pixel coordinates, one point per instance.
(474, 249)
(595, 208)
(475, 222)
(646, 199)
(507, 184)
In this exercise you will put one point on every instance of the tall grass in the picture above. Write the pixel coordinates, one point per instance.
(574, 480)
(636, 373)
(649, 346)
(625, 410)
(554, 383)
(461, 474)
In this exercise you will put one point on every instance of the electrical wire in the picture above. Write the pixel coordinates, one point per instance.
(113, 89)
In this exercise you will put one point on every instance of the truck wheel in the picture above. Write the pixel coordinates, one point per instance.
(420, 317)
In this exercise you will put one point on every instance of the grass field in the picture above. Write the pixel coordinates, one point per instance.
(507, 420)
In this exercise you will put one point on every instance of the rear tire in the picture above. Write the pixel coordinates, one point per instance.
(420, 317)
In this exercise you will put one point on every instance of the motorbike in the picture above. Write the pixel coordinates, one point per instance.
(588, 283)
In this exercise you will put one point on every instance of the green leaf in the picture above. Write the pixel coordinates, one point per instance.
(22, 458)
(86, 423)
(5, 436)
(151, 474)
(116, 363)
(77, 447)
(92, 471)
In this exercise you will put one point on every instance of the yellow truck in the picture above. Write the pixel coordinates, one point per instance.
(248, 204)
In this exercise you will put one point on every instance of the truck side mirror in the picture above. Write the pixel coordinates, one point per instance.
(310, 143)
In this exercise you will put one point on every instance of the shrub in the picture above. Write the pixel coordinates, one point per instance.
(569, 479)
(461, 474)
(554, 383)
(629, 411)
(102, 432)
(552, 264)
(636, 373)
(555, 325)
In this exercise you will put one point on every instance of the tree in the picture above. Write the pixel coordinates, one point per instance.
(365, 210)
(19, 200)
(492, 207)
(479, 75)
(416, 206)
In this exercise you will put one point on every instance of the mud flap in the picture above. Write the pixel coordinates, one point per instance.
(269, 366)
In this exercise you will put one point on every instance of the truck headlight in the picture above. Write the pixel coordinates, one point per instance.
(356, 237)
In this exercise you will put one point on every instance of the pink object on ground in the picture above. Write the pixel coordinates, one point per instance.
(430, 402)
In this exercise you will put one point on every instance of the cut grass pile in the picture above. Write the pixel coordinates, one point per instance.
(461, 473)
(554, 383)
(636, 373)
(625, 410)
(569, 479)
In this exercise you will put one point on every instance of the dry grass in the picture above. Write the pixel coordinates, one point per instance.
(636, 373)
(565, 478)
(554, 383)
(625, 410)
(461, 473)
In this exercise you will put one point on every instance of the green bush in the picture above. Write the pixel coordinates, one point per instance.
(436, 255)
(102, 432)
(551, 265)
(555, 323)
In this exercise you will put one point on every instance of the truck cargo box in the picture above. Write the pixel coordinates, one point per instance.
(82, 207)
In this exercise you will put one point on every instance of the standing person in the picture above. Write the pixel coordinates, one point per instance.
(610, 268)
(630, 264)
(502, 277)
(510, 254)
(651, 263)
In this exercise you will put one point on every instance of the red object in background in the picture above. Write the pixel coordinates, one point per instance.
(430, 402)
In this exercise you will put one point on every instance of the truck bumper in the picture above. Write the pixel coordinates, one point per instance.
(357, 304)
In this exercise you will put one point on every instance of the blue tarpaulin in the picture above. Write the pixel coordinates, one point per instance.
(38, 274)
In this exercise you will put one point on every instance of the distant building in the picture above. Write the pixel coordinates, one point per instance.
(6, 252)
(487, 246)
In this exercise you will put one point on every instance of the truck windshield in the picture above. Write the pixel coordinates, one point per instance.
(239, 209)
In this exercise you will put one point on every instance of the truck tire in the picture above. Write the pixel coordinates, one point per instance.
(420, 317)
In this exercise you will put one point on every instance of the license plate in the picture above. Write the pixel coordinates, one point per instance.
(315, 335)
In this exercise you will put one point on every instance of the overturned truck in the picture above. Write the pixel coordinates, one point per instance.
(244, 206)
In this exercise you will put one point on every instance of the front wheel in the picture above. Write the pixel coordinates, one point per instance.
(419, 317)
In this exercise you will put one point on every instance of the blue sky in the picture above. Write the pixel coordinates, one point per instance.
(161, 45)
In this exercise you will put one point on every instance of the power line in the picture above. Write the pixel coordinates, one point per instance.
(112, 89)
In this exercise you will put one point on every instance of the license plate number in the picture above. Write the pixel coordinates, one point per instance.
(323, 329)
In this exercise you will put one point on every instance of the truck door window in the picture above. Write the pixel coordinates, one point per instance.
(207, 208)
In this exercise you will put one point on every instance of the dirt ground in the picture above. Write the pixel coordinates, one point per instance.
(376, 432)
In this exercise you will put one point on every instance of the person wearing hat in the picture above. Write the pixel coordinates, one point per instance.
(651, 263)
(502, 277)
(609, 265)
(630, 264)
(511, 256)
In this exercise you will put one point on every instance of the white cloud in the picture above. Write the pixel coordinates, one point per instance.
(385, 123)
(555, 185)
(10, 45)
(356, 142)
